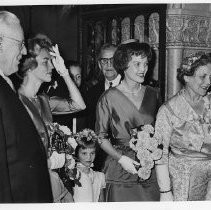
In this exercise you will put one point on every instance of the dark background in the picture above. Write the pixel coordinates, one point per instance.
(58, 22)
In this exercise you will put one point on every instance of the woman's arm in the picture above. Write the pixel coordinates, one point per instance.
(76, 103)
(163, 130)
(164, 182)
(74, 93)
(109, 149)
(101, 128)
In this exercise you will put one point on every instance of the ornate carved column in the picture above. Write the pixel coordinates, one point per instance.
(188, 30)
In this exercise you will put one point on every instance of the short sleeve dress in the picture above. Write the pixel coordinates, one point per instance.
(117, 115)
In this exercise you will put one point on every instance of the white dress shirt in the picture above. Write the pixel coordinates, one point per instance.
(115, 82)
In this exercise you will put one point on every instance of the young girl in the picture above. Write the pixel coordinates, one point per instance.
(92, 182)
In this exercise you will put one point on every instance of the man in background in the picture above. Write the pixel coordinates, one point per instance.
(23, 161)
(111, 79)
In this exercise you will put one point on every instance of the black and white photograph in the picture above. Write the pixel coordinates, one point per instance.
(106, 103)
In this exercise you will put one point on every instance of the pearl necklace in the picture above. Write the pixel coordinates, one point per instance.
(132, 92)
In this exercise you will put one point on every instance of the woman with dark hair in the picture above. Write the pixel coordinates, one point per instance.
(119, 110)
(184, 126)
(37, 69)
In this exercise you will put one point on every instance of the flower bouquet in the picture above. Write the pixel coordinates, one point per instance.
(63, 141)
(147, 149)
(71, 176)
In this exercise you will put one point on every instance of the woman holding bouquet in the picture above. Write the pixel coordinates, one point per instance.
(37, 69)
(119, 110)
(184, 125)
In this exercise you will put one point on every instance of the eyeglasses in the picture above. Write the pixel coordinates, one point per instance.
(106, 61)
(22, 43)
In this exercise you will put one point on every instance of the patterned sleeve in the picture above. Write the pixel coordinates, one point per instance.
(163, 130)
(63, 106)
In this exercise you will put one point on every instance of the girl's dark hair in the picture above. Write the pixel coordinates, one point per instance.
(70, 63)
(86, 145)
(35, 45)
(191, 63)
(124, 53)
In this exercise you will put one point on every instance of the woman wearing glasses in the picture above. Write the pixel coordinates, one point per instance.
(121, 109)
(37, 69)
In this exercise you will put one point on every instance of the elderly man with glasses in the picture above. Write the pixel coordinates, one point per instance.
(111, 79)
(23, 163)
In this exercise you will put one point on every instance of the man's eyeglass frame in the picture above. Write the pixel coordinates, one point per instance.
(105, 61)
(11, 38)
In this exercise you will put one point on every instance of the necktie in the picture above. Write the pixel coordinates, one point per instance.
(110, 84)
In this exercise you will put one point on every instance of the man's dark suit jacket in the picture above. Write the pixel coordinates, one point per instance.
(92, 98)
(24, 176)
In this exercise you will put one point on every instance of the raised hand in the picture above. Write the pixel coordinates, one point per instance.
(58, 61)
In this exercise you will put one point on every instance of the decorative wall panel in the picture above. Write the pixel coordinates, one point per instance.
(118, 23)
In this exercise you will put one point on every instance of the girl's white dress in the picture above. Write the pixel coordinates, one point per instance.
(92, 183)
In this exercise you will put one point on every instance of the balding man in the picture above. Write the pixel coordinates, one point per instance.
(24, 175)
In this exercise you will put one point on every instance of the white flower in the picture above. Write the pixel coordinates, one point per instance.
(147, 163)
(142, 135)
(72, 142)
(65, 129)
(152, 144)
(144, 173)
(156, 155)
(143, 153)
(141, 144)
(148, 128)
(146, 147)
(71, 163)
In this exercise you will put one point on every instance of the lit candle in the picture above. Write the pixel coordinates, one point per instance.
(74, 125)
